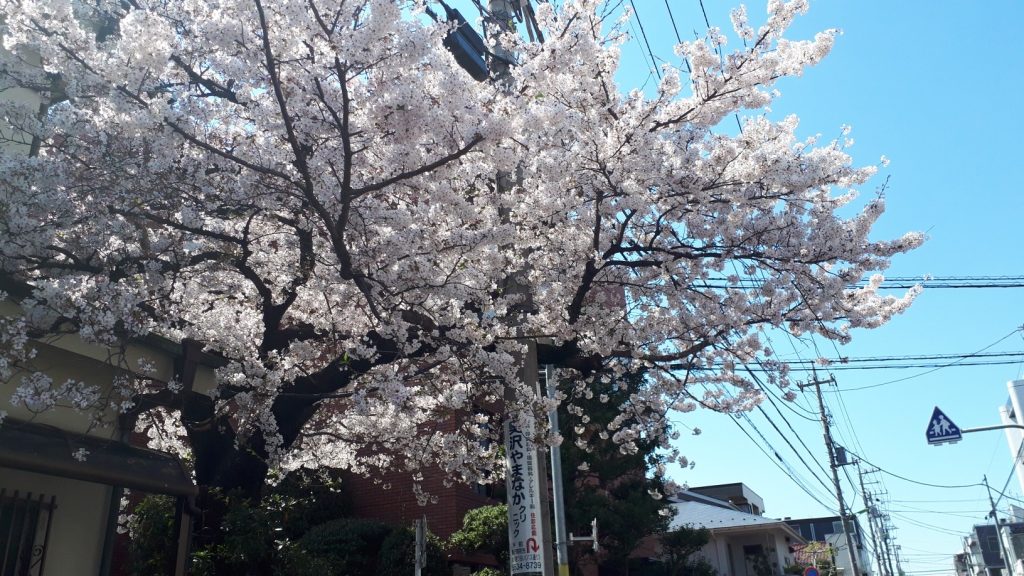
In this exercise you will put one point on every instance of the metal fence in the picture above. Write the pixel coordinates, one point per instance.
(24, 532)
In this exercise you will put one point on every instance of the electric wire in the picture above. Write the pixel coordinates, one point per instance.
(795, 451)
(802, 413)
(789, 469)
(890, 283)
(1018, 330)
(926, 525)
(780, 466)
(911, 480)
(778, 460)
(679, 39)
(1007, 496)
(654, 61)
(789, 425)
(1013, 468)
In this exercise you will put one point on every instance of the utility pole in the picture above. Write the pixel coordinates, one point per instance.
(999, 532)
(501, 16)
(886, 540)
(869, 503)
(884, 527)
(835, 471)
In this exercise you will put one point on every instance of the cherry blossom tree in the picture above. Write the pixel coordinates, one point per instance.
(307, 190)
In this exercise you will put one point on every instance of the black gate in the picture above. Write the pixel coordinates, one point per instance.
(24, 532)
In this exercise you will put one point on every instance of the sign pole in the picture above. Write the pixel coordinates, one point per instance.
(557, 490)
(942, 430)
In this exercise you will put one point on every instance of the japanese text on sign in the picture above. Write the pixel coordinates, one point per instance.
(524, 527)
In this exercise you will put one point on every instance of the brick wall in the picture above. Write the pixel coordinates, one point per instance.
(397, 504)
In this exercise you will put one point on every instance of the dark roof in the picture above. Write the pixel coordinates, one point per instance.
(691, 496)
(50, 450)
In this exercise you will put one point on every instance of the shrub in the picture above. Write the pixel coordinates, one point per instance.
(484, 530)
(398, 555)
(151, 528)
(346, 546)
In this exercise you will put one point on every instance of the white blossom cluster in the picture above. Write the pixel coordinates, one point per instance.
(310, 192)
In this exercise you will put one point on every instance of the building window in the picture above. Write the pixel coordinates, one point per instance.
(24, 532)
(837, 527)
(992, 543)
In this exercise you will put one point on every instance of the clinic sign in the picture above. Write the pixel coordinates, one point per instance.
(525, 536)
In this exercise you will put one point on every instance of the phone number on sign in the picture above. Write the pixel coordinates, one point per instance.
(527, 566)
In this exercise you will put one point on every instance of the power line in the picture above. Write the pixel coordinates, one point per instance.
(1007, 496)
(935, 369)
(679, 39)
(806, 415)
(778, 460)
(890, 363)
(795, 433)
(943, 501)
(927, 365)
(831, 363)
(778, 463)
(795, 451)
(643, 33)
(926, 525)
(1013, 468)
(911, 480)
(893, 282)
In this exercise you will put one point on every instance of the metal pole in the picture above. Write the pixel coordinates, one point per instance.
(421, 540)
(999, 533)
(835, 474)
(995, 427)
(557, 490)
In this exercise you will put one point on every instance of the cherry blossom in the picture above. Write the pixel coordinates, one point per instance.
(308, 191)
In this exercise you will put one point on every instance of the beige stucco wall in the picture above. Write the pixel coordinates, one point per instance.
(21, 96)
(78, 524)
(80, 521)
(69, 357)
(61, 365)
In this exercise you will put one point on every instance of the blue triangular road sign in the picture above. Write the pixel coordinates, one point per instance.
(941, 429)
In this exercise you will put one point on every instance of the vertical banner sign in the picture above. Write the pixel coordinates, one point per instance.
(526, 541)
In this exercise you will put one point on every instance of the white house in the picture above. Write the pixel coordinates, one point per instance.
(739, 540)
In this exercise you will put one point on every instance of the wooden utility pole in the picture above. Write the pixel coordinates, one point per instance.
(835, 471)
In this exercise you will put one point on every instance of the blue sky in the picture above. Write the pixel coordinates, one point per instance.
(934, 86)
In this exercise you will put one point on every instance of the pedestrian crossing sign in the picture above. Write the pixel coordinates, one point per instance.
(942, 430)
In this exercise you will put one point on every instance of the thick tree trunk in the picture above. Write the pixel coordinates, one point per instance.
(224, 467)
